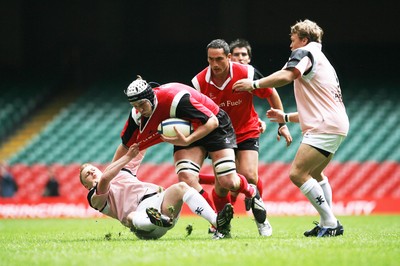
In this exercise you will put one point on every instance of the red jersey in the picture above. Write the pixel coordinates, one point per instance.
(238, 105)
(171, 100)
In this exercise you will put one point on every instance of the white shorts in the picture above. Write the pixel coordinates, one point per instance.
(157, 231)
(326, 142)
(153, 201)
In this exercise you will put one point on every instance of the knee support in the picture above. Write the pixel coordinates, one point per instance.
(187, 166)
(224, 166)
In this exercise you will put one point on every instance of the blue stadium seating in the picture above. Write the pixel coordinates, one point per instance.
(88, 129)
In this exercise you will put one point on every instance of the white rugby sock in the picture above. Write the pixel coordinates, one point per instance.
(198, 205)
(314, 193)
(326, 187)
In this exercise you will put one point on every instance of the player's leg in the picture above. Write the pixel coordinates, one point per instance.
(314, 154)
(138, 220)
(247, 165)
(181, 192)
(322, 179)
(228, 178)
(318, 175)
(307, 159)
(187, 166)
(206, 179)
(141, 222)
(225, 169)
(178, 193)
(220, 196)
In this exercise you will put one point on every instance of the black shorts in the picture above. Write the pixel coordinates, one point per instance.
(248, 144)
(223, 137)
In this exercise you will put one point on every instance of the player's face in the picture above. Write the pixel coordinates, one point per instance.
(241, 55)
(219, 62)
(90, 176)
(296, 42)
(143, 107)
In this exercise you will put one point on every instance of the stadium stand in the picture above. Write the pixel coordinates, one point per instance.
(87, 130)
(18, 101)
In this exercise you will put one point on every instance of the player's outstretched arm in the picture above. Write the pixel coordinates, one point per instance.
(113, 169)
(278, 116)
(278, 79)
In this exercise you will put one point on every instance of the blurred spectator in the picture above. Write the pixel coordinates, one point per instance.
(8, 186)
(51, 188)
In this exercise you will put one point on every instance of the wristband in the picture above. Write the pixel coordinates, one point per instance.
(287, 118)
(280, 126)
(256, 84)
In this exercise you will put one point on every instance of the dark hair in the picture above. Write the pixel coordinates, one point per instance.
(219, 44)
(239, 43)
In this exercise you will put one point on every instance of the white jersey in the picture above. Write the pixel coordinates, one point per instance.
(317, 92)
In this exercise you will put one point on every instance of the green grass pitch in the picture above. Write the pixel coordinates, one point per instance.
(368, 240)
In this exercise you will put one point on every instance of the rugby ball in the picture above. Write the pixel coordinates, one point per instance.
(166, 127)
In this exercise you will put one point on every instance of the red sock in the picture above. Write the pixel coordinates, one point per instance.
(245, 188)
(220, 202)
(233, 199)
(260, 186)
(206, 179)
(207, 198)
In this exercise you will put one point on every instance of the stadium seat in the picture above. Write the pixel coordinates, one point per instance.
(88, 129)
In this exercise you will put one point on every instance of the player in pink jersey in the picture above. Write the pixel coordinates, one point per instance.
(321, 114)
(216, 82)
(213, 136)
(147, 209)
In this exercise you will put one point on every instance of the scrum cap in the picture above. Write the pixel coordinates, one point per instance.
(139, 89)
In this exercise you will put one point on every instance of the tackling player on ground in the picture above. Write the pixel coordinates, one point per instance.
(147, 209)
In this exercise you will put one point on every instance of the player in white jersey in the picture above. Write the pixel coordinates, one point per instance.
(321, 114)
(147, 209)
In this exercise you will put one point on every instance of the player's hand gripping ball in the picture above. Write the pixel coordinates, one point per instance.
(166, 127)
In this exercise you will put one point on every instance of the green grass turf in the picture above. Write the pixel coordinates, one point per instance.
(368, 240)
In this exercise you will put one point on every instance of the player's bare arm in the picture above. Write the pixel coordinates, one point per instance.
(113, 169)
(275, 101)
(121, 151)
(263, 125)
(278, 79)
(284, 132)
(276, 115)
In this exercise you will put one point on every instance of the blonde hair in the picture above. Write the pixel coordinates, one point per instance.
(83, 166)
(307, 29)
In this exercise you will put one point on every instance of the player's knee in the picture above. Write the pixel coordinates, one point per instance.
(251, 176)
(224, 166)
(318, 175)
(296, 178)
(188, 178)
(225, 170)
(182, 186)
(185, 167)
(178, 189)
(227, 182)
